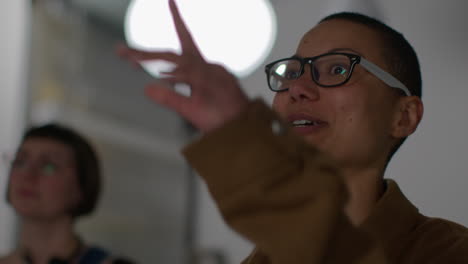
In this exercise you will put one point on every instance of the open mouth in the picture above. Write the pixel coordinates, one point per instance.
(306, 123)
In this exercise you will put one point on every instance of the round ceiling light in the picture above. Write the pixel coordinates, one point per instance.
(238, 34)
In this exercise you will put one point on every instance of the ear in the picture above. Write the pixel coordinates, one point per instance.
(408, 113)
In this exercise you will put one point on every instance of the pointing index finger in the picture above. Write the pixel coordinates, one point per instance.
(186, 40)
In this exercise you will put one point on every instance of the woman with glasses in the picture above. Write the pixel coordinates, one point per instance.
(305, 182)
(54, 180)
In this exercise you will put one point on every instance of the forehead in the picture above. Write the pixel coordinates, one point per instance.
(341, 34)
(37, 146)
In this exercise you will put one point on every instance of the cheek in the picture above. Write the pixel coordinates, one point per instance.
(365, 126)
(17, 180)
(349, 114)
(61, 189)
(348, 110)
(280, 102)
(12, 180)
(350, 122)
(355, 121)
(11, 184)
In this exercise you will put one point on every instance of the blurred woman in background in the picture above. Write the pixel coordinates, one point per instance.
(54, 179)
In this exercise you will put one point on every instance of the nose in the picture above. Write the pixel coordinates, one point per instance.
(304, 88)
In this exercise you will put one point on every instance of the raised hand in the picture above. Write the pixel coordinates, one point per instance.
(216, 96)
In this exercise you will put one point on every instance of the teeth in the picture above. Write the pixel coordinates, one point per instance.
(303, 122)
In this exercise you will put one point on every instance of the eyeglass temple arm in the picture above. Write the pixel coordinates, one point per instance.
(384, 76)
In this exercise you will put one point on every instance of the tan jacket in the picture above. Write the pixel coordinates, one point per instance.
(288, 199)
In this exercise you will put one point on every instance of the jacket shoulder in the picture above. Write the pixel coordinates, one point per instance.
(437, 240)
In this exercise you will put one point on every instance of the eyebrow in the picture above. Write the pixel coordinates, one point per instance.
(51, 155)
(344, 49)
(335, 50)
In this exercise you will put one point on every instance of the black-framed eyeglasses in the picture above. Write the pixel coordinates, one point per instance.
(327, 70)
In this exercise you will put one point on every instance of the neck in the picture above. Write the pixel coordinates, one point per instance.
(365, 189)
(42, 240)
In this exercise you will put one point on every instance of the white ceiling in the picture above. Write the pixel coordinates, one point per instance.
(431, 21)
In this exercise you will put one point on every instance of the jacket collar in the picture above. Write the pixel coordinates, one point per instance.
(392, 219)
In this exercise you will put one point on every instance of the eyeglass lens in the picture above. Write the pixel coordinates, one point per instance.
(328, 70)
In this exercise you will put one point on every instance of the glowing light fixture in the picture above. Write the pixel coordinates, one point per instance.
(236, 33)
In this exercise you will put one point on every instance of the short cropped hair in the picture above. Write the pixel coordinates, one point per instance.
(87, 162)
(398, 54)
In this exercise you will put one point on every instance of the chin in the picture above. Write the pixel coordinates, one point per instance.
(27, 212)
(313, 141)
(26, 209)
